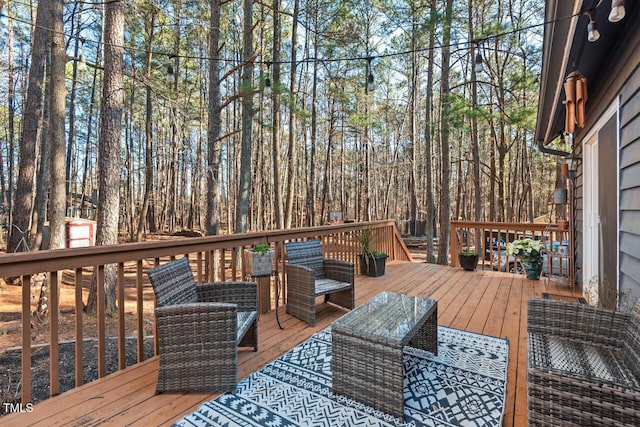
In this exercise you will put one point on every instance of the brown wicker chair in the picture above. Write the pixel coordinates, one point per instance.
(310, 275)
(583, 365)
(200, 328)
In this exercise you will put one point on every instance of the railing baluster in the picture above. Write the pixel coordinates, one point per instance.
(199, 266)
(54, 349)
(79, 307)
(140, 310)
(216, 256)
(100, 313)
(122, 354)
(26, 339)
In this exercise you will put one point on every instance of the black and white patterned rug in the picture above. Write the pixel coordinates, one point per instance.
(465, 385)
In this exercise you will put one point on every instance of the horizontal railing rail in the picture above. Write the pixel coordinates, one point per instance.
(489, 240)
(212, 258)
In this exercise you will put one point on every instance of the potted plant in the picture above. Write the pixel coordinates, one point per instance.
(372, 262)
(468, 260)
(259, 260)
(530, 252)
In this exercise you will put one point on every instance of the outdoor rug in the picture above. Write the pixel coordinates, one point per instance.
(464, 385)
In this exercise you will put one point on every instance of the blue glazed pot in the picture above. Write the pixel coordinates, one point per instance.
(533, 269)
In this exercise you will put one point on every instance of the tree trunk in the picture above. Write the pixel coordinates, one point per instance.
(71, 141)
(6, 180)
(214, 142)
(57, 187)
(445, 196)
(275, 118)
(242, 206)
(32, 112)
(109, 148)
(43, 154)
(413, 95)
(148, 133)
(475, 145)
(291, 155)
(311, 192)
(428, 133)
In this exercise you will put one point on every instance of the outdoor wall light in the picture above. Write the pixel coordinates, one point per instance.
(592, 29)
(572, 162)
(617, 11)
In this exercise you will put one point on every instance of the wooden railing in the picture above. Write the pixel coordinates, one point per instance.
(489, 239)
(339, 241)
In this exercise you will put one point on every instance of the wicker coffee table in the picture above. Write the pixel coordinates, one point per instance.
(368, 343)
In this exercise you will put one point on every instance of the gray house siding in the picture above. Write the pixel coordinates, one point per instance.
(630, 190)
(623, 80)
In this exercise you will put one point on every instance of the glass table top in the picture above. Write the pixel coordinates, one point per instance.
(389, 316)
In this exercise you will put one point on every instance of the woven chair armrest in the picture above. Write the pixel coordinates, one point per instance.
(191, 327)
(243, 294)
(206, 308)
(336, 269)
(577, 322)
(300, 278)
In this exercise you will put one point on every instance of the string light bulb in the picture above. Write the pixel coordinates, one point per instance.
(370, 86)
(478, 63)
(267, 80)
(592, 30)
(82, 64)
(617, 11)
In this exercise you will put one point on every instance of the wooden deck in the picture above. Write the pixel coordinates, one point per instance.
(486, 302)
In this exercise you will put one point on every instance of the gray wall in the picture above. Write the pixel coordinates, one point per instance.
(621, 78)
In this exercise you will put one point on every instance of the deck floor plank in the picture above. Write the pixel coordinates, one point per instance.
(485, 302)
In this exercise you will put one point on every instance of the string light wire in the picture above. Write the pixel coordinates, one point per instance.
(310, 59)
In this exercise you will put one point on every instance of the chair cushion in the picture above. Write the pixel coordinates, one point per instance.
(327, 286)
(173, 283)
(580, 360)
(307, 254)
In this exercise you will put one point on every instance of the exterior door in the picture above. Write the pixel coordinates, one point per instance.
(600, 257)
(608, 213)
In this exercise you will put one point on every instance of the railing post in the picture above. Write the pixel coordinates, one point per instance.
(453, 246)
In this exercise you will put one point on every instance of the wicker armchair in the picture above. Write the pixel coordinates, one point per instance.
(200, 328)
(583, 365)
(310, 275)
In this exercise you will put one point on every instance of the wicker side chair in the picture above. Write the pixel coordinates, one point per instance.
(309, 275)
(583, 365)
(200, 328)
